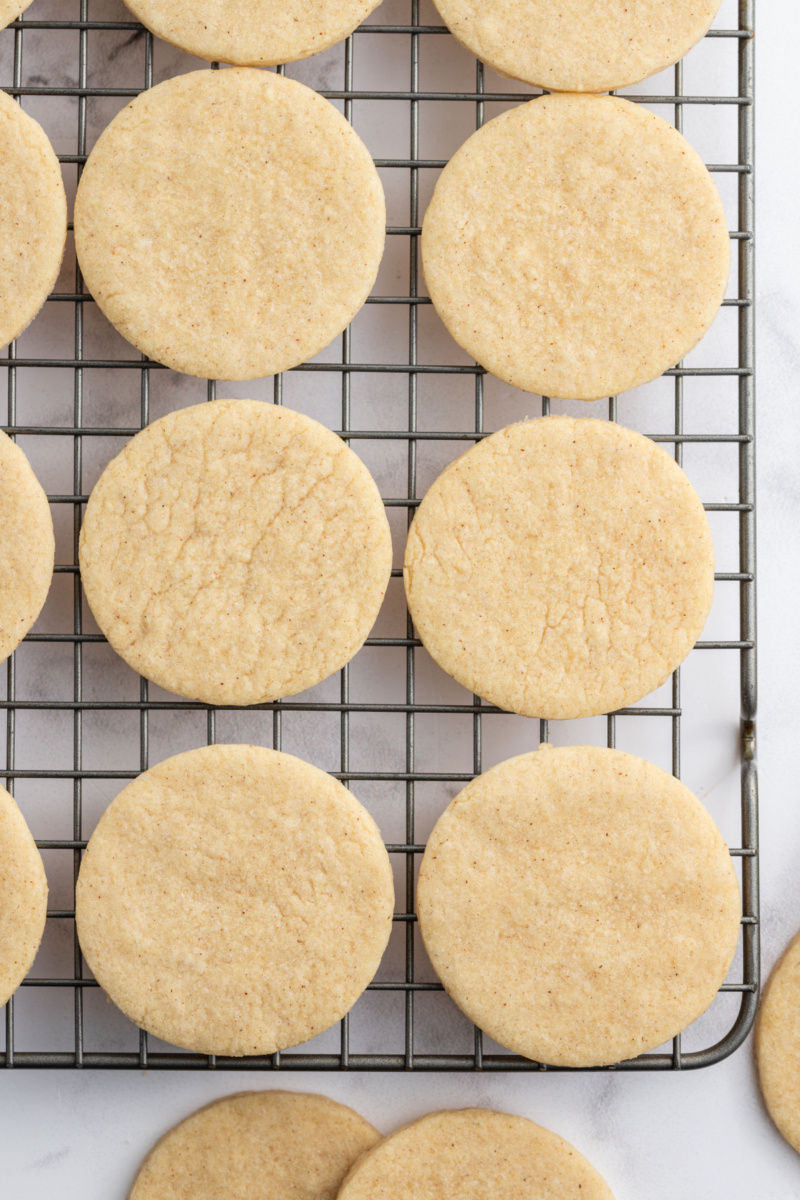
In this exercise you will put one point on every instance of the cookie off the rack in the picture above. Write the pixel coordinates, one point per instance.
(576, 246)
(235, 552)
(252, 33)
(33, 216)
(777, 1044)
(474, 1152)
(560, 568)
(579, 905)
(234, 900)
(23, 897)
(257, 1146)
(230, 224)
(578, 45)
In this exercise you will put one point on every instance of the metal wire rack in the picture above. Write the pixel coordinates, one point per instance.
(68, 699)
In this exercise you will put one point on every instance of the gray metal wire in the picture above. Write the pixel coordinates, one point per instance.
(410, 849)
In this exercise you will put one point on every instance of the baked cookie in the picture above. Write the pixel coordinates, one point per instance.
(560, 568)
(230, 223)
(579, 905)
(257, 1146)
(579, 45)
(474, 1152)
(235, 552)
(33, 214)
(576, 246)
(27, 546)
(10, 10)
(234, 900)
(777, 1043)
(23, 897)
(252, 34)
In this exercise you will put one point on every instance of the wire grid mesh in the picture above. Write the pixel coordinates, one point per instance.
(408, 984)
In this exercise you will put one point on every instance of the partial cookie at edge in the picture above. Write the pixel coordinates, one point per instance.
(267, 1145)
(441, 1155)
(33, 218)
(27, 546)
(574, 47)
(23, 897)
(11, 9)
(777, 1044)
(259, 34)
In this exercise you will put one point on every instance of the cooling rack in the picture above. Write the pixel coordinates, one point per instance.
(411, 718)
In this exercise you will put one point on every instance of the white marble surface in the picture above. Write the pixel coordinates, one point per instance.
(73, 1134)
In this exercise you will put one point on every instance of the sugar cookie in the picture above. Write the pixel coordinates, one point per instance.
(234, 900)
(777, 1043)
(579, 45)
(23, 897)
(579, 905)
(576, 246)
(230, 223)
(560, 568)
(235, 552)
(257, 1146)
(10, 10)
(27, 546)
(252, 33)
(474, 1152)
(33, 215)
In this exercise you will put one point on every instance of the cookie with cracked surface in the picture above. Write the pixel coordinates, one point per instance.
(579, 905)
(474, 1152)
(234, 900)
(235, 552)
(576, 246)
(560, 568)
(257, 1146)
(252, 33)
(23, 897)
(33, 216)
(578, 45)
(27, 546)
(777, 1043)
(230, 224)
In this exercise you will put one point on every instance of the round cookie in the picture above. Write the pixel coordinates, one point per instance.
(230, 224)
(257, 1146)
(33, 215)
(576, 246)
(777, 1043)
(234, 900)
(23, 897)
(474, 1152)
(235, 552)
(252, 33)
(579, 905)
(579, 45)
(27, 546)
(560, 568)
